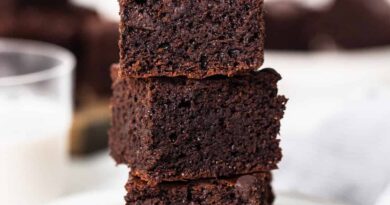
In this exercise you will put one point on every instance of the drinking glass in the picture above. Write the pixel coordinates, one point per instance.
(35, 118)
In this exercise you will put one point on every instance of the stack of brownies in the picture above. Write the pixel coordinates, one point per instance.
(193, 117)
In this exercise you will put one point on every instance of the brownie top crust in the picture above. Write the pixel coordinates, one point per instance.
(291, 25)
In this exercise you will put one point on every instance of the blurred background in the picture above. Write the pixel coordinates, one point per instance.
(334, 56)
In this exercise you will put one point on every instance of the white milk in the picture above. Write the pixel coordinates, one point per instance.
(33, 141)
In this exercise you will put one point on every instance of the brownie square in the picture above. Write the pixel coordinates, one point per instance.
(44, 3)
(190, 38)
(171, 129)
(7, 8)
(290, 25)
(358, 24)
(252, 189)
(6, 5)
(59, 26)
(100, 50)
(6, 24)
(89, 129)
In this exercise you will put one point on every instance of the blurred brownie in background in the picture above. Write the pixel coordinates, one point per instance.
(58, 26)
(89, 131)
(289, 25)
(100, 50)
(342, 24)
(44, 3)
(6, 5)
(358, 23)
(6, 20)
(240, 190)
(6, 25)
(195, 39)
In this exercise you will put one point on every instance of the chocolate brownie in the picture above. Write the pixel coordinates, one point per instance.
(291, 26)
(6, 19)
(6, 25)
(252, 189)
(190, 38)
(93, 40)
(170, 129)
(58, 26)
(43, 3)
(358, 23)
(6, 4)
(100, 50)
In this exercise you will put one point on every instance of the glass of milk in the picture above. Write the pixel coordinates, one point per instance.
(35, 117)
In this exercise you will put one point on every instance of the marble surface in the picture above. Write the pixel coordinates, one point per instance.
(336, 133)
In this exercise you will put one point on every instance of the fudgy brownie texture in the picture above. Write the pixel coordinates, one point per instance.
(172, 129)
(6, 21)
(252, 189)
(291, 26)
(190, 38)
(358, 23)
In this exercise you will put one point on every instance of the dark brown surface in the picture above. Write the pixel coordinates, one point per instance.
(245, 190)
(100, 51)
(58, 26)
(6, 4)
(191, 38)
(344, 24)
(44, 3)
(358, 23)
(61, 26)
(93, 40)
(170, 129)
(290, 25)
(6, 22)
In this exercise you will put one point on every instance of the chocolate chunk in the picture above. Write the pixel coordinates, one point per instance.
(246, 185)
